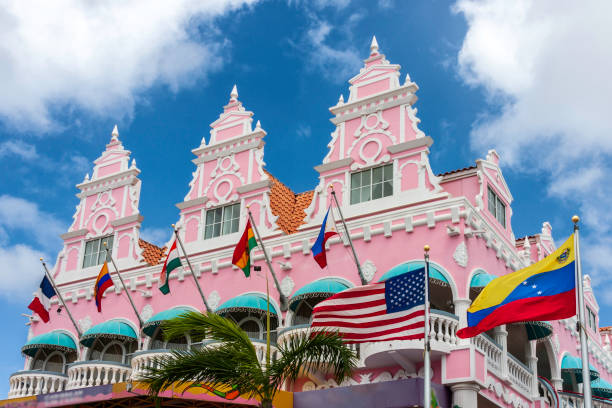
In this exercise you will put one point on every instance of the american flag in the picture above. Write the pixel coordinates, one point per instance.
(389, 310)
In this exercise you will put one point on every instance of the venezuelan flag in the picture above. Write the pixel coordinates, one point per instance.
(242, 252)
(545, 290)
(103, 282)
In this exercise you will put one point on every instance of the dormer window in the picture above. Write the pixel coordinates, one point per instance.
(95, 251)
(372, 184)
(222, 221)
(497, 207)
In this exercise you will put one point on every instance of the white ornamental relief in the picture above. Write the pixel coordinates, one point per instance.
(461, 255)
(368, 269)
(146, 313)
(85, 324)
(214, 299)
(287, 286)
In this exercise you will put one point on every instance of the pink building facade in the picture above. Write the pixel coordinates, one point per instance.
(394, 203)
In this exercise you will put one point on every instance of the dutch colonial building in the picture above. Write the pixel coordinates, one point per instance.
(393, 202)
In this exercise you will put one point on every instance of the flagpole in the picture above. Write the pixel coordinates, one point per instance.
(584, 351)
(178, 238)
(127, 292)
(282, 298)
(348, 236)
(59, 295)
(426, 362)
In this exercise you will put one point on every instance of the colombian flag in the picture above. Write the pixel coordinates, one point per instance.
(103, 282)
(545, 290)
(242, 257)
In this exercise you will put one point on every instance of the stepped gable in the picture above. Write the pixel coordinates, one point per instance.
(152, 254)
(288, 206)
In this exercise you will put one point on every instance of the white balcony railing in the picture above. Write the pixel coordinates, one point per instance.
(492, 351)
(26, 383)
(90, 373)
(520, 376)
(571, 400)
(144, 360)
(443, 327)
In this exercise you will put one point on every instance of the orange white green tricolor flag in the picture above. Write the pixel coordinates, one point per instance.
(242, 253)
(172, 262)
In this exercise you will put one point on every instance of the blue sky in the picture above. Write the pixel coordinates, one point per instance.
(529, 79)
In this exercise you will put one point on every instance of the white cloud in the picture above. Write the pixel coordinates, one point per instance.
(100, 56)
(24, 217)
(545, 66)
(303, 131)
(21, 272)
(18, 148)
(157, 236)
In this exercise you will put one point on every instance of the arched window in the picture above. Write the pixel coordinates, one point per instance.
(254, 323)
(178, 343)
(49, 360)
(303, 311)
(252, 327)
(104, 349)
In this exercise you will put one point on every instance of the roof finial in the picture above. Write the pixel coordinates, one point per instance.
(234, 94)
(374, 45)
(341, 100)
(258, 125)
(133, 166)
(115, 134)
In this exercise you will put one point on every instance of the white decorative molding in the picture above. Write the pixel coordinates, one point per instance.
(508, 396)
(368, 269)
(412, 114)
(461, 254)
(331, 145)
(194, 178)
(146, 313)
(287, 285)
(85, 324)
(214, 299)
(364, 378)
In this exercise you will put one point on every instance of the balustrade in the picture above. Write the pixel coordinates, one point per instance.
(443, 327)
(144, 360)
(492, 351)
(574, 400)
(90, 373)
(27, 383)
(520, 376)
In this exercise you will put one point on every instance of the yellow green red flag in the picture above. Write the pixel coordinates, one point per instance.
(242, 257)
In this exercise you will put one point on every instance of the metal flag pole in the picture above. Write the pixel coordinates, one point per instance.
(348, 236)
(426, 362)
(584, 351)
(59, 295)
(127, 292)
(282, 298)
(195, 279)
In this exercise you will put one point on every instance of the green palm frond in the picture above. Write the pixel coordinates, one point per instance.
(310, 352)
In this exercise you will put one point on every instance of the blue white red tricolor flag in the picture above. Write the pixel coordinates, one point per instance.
(42, 299)
(328, 230)
(383, 311)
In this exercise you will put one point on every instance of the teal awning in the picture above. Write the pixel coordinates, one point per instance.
(150, 325)
(322, 287)
(251, 302)
(113, 329)
(601, 388)
(435, 275)
(54, 340)
(571, 369)
(480, 280)
(537, 330)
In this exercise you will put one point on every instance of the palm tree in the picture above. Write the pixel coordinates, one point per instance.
(233, 361)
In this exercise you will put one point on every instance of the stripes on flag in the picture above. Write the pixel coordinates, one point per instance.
(383, 311)
(42, 299)
(172, 262)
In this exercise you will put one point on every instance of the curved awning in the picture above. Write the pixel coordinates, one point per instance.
(571, 369)
(539, 330)
(601, 388)
(435, 275)
(150, 325)
(322, 287)
(112, 329)
(55, 340)
(250, 302)
(480, 280)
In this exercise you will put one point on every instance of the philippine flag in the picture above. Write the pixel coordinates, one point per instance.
(42, 300)
(328, 229)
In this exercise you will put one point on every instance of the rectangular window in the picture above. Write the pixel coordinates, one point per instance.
(496, 207)
(222, 221)
(95, 252)
(372, 184)
(591, 319)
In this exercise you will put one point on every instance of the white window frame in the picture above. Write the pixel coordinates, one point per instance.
(496, 206)
(100, 252)
(233, 220)
(259, 324)
(365, 190)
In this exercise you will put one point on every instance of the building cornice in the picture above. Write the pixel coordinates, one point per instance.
(337, 164)
(254, 186)
(411, 144)
(127, 220)
(191, 203)
(74, 234)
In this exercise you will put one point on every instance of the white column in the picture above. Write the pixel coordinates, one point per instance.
(465, 395)
(532, 363)
(501, 338)
(461, 307)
